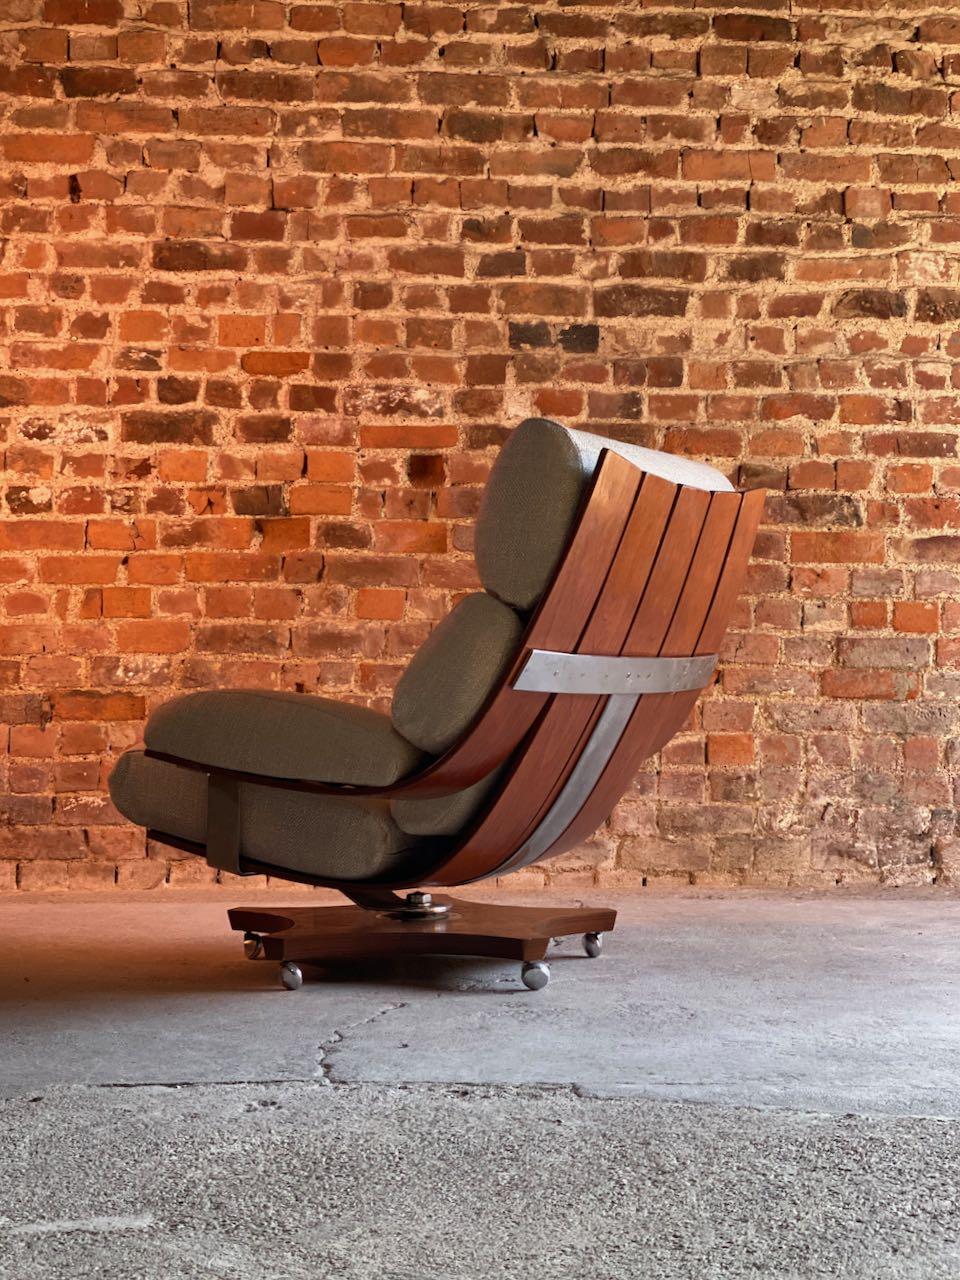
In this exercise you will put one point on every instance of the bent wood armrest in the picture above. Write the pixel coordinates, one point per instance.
(425, 784)
(622, 678)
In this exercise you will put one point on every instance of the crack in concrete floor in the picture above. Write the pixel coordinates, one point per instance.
(328, 1047)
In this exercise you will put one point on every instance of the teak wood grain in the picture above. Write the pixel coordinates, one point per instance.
(689, 580)
(551, 750)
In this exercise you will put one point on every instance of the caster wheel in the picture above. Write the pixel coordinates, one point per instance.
(535, 974)
(291, 975)
(593, 944)
(252, 945)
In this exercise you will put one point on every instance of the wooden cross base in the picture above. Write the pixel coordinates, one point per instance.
(315, 935)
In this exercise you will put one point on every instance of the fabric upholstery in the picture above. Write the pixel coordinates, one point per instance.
(325, 836)
(534, 493)
(453, 671)
(283, 735)
(443, 815)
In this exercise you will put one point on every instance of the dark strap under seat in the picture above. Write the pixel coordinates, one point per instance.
(223, 824)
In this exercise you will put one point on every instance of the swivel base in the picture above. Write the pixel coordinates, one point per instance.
(293, 936)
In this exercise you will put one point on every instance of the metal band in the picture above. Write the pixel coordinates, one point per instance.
(583, 778)
(624, 679)
(597, 674)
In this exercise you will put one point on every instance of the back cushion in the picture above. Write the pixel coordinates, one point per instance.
(533, 496)
(453, 671)
(443, 815)
(527, 513)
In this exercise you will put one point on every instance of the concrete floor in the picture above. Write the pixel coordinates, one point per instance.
(743, 1085)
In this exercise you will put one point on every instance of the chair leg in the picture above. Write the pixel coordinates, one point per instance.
(385, 925)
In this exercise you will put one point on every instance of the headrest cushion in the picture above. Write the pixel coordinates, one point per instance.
(534, 493)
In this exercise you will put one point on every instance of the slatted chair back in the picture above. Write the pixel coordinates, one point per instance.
(652, 572)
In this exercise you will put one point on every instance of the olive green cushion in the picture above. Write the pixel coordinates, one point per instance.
(282, 735)
(453, 672)
(323, 836)
(443, 815)
(534, 493)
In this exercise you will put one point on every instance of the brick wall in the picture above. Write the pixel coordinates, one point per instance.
(275, 278)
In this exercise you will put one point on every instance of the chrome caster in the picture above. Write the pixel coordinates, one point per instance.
(291, 975)
(252, 945)
(535, 974)
(593, 944)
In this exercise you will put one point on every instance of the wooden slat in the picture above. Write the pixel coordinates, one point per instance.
(721, 607)
(734, 572)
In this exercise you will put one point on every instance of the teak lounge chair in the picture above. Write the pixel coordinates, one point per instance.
(609, 572)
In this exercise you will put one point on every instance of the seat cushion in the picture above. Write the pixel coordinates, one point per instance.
(533, 496)
(454, 670)
(323, 836)
(282, 735)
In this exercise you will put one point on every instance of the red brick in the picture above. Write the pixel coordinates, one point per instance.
(313, 17)
(275, 364)
(410, 536)
(836, 548)
(101, 13)
(730, 748)
(380, 602)
(227, 122)
(724, 166)
(868, 614)
(40, 535)
(46, 148)
(96, 82)
(321, 499)
(345, 157)
(265, 86)
(126, 602)
(269, 225)
(916, 615)
(860, 685)
(85, 704)
(153, 636)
